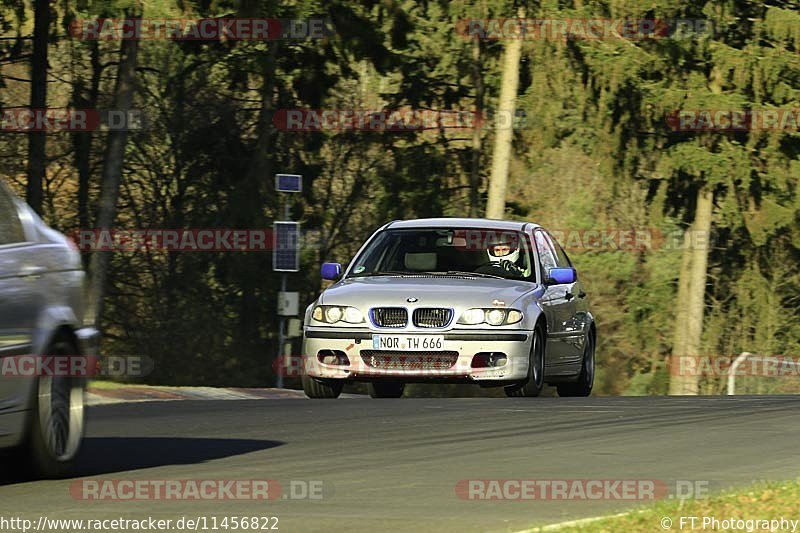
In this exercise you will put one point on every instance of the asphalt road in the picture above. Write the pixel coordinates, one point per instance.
(395, 464)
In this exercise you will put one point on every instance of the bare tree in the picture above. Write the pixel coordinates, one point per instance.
(112, 170)
(692, 288)
(496, 204)
(37, 140)
(475, 169)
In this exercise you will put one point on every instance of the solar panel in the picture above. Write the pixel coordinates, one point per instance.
(286, 248)
(288, 183)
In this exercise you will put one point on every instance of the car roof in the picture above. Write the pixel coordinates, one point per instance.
(446, 222)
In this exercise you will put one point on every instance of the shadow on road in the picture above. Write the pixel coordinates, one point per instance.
(107, 455)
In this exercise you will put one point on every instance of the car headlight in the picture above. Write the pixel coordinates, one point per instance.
(332, 314)
(493, 316)
(513, 316)
(472, 317)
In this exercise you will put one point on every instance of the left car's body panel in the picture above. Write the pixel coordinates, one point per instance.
(41, 297)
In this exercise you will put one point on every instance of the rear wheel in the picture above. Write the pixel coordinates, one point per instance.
(321, 389)
(582, 387)
(386, 389)
(533, 384)
(58, 420)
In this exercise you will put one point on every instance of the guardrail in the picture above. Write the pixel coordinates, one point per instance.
(741, 359)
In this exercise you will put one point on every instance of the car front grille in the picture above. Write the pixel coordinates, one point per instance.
(432, 317)
(409, 360)
(390, 317)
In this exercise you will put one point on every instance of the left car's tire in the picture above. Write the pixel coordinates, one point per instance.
(582, 387)
(322, 389)
(58, 420)
(534, 383)
(386, 389)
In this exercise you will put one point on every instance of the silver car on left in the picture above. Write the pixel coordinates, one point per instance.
(42, 416)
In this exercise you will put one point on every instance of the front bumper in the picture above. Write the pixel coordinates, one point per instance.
(515, 344)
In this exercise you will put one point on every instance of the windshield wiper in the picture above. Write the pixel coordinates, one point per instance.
(425, 273)
(381, 273)
(462, 273)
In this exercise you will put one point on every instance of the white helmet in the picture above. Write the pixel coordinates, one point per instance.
(503, 251)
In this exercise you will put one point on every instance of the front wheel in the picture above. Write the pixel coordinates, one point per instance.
(534, 383)
(582, 387)
(386, 389)
(57, 420)
(321, 389)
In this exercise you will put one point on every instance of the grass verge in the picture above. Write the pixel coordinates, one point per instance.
(767, 501)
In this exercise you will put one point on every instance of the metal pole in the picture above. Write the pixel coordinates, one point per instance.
(732, 372)
(280, 367)
(282, 356)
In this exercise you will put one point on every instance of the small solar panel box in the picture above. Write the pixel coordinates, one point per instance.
(288, 183)
(286, 247)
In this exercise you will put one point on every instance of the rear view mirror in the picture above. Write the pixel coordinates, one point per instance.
(558, 276)
(331, 271)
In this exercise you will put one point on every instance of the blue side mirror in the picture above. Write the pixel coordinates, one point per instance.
(331, 271)
(557, 276)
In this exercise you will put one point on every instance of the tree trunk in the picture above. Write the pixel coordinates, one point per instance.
(112, 172)
(676, 382)
(692, 327)
(82, 140)
(496, 205)
(37, 141)
(250, 211)
(479, 121)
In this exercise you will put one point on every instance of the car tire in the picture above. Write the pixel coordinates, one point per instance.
(58, 420)
(583, 386)
(319, 389)
(386, 389)
(534, 383)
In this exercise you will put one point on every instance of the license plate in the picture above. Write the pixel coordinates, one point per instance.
(407, 342)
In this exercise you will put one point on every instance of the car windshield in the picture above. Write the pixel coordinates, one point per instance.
(476, 252)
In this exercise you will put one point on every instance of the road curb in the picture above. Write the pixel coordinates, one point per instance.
(141, 393)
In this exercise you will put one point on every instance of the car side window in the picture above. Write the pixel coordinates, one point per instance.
(11, 231)
(546, 254)
(561, 256)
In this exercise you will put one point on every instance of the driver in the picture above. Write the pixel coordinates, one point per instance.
(503, 255)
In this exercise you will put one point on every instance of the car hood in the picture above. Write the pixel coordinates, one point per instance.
(428, 290)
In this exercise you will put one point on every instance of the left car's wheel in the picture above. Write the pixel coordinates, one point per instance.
(583, 386)
(57, 423)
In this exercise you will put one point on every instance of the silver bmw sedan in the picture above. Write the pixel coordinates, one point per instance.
(496, 303)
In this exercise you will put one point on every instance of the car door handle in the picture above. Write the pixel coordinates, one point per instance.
(569, 296)
(32, 271)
